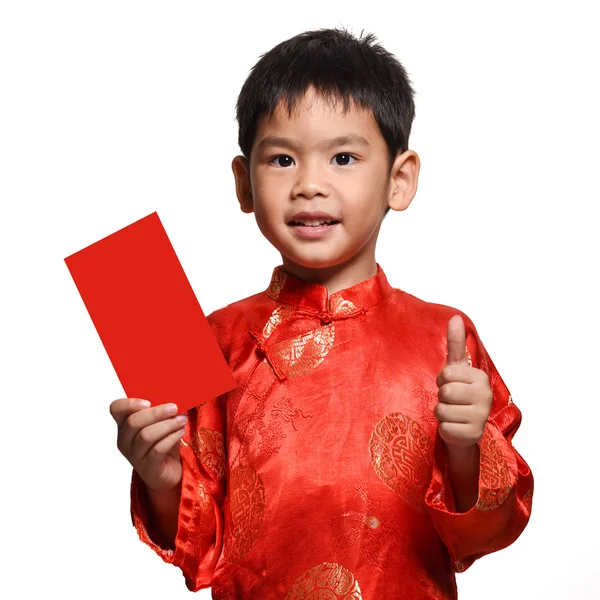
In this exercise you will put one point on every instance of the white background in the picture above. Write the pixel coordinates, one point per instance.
(112, 110)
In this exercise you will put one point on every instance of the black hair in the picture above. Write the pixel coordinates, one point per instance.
(339, 66)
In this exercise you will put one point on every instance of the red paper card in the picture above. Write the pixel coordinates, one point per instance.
(148, 317)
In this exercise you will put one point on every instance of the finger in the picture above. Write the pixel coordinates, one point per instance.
(453, 413)
(158, 451)
(120, 409)
(140, 419)
(456, 342)
(456, 392)
(150, 435)
(457, 373)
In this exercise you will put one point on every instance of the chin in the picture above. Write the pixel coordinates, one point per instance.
(315, 262)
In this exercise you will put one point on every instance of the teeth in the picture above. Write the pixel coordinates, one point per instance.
(312, 223)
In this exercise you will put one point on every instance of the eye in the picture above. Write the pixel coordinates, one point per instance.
(344, 154)
(280, 156)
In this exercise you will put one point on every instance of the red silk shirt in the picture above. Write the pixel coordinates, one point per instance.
(322, 475)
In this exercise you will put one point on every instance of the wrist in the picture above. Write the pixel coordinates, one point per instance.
(164, 507)
(164, 500)
(459, 452)
(463, 472)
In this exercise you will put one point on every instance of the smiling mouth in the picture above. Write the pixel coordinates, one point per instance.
(312, 223)
(313, 230)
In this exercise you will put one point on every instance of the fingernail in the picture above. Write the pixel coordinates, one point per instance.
(171, 408)
(181, 419)
(144, 403)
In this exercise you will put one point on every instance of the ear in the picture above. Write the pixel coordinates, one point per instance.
(241, 171)
(404, 178)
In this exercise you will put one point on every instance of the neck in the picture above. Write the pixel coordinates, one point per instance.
(335, 277)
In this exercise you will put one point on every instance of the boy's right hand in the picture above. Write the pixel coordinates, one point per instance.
(149, 440)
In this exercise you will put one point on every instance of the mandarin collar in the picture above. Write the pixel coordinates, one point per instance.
(314, 297)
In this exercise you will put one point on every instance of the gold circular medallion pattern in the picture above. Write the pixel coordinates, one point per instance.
(325, 581)
(301, 354)
(280, 314)
(401, 454)
(244, 511)
(209, 447)
(495, 481)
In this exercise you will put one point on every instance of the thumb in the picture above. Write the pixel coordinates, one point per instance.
(456, 342)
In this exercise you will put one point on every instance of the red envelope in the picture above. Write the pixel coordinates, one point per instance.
(148, 318)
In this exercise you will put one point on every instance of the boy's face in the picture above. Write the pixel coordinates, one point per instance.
(349, 181)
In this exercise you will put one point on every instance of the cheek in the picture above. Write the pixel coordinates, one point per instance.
(267, 200)
(262, 219)
(364, 215)
(267, 217)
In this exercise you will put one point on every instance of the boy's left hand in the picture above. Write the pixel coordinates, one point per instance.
(465, 395)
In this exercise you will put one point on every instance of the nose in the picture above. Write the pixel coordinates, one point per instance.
(310, 181)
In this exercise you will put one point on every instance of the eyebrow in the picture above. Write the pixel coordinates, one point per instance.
(292, 143)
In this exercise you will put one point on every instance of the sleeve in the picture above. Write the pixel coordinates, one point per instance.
(199, 538)
(505, 493)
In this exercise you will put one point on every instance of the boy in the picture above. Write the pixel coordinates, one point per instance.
(366, 452)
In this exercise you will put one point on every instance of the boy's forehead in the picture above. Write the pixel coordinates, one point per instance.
(313, 103)
(313, 114)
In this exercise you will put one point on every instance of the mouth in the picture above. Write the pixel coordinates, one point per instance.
(314, 219)
(313, 223)
(313, 229)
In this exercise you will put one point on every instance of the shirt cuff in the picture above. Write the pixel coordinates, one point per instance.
(199, 537)
(497, 475)
(140, 518)
(472, 534)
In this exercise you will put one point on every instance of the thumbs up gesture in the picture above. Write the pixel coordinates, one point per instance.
(464, 394)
